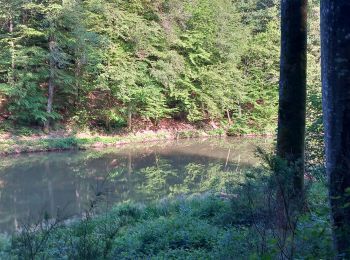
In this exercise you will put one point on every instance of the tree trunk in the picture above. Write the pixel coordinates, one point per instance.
(129, 121)
(78, 71)
(239, 110)
(51, 87)
(12, 47)
(228, 117)
(79, 64)
(335, 42)
(292, 96)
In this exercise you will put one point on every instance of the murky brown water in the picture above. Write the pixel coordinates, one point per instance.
(34, 185)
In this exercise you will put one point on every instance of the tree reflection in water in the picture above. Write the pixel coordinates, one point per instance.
(34, 185)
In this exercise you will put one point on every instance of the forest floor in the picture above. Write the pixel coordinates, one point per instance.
(14, 140)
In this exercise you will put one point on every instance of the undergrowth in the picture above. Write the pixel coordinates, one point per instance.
(234, 225)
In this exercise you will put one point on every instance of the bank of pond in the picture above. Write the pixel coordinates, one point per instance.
(188, 199)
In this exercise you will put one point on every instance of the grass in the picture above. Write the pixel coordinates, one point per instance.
(20, 144)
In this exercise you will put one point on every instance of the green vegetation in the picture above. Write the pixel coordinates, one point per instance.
(106, 63)
(131, 65)
(25, 144)
(235, 224)
(117, 67)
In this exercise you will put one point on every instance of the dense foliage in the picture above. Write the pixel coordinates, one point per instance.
(235, 220)
(110, 61)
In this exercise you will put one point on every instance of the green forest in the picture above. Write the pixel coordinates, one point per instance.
(76, 75)
(114, 64)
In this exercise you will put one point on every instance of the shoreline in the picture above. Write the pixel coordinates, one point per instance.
(47, 143)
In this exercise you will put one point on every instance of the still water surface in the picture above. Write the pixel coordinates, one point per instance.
(34, 185)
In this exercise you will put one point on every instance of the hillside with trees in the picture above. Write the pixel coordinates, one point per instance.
(69, 68)
(102, 64)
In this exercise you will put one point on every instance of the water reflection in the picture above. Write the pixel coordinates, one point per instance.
(35, 185)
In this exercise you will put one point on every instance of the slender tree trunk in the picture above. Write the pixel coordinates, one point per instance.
(78, 69)
(79, 64)
(129, 116)
(292, 96)
(13, 52)
(228, 116)
(335, 41)
(51, 87)
(239, 110)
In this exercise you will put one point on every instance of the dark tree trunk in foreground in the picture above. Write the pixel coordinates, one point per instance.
(292, 96)
(335, 34)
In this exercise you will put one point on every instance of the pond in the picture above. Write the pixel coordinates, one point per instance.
(69, 183)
